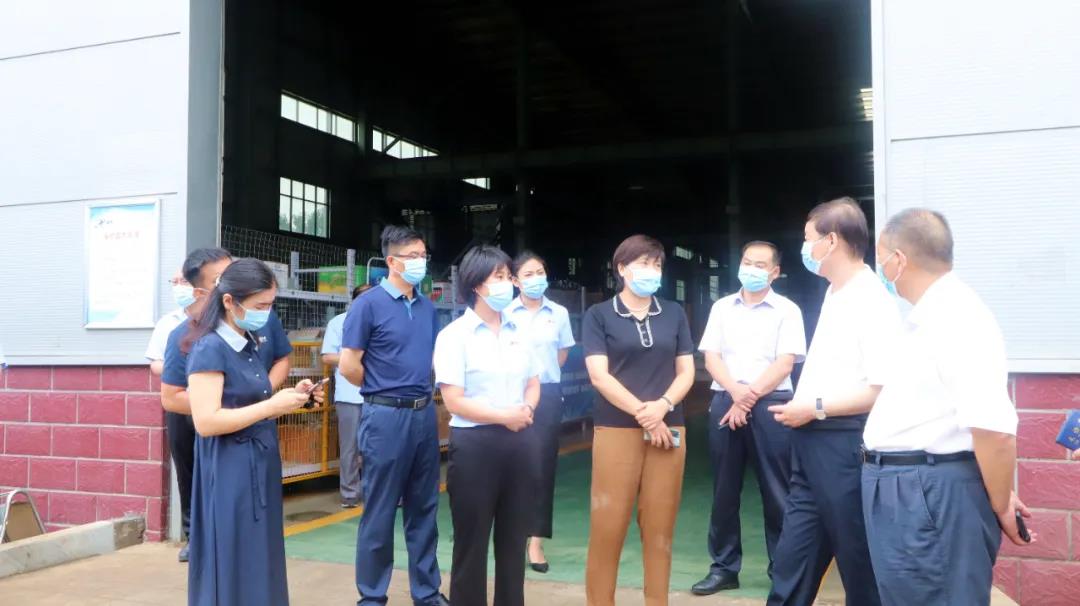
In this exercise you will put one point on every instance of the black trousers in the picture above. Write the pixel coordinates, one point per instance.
(546, 424)
(491, 478)
(180, 431)
(767, 445)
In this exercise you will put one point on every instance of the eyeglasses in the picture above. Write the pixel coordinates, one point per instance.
(412, 257)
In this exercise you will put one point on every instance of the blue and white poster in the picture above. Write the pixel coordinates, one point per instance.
(122, 240)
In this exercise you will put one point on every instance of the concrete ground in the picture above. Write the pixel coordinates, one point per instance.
(148, 575)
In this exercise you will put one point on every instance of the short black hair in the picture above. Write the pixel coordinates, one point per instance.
(523, 258)
(845, 218)
(477, 266)
(360, 289)
(923, 235)
(776, 256)
(397, 235)
(199, 257)
(632, 249)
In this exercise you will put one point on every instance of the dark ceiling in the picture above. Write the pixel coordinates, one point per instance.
(604, 71)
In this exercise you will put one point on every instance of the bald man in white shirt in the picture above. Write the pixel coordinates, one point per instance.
(937, 484)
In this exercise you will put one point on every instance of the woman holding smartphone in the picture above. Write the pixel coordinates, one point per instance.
(237, 545)
(489, 380)
(639, 355)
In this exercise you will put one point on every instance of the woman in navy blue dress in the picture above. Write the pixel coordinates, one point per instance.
(237, 544)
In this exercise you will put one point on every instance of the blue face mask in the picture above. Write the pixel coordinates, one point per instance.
(812, 265)
(253, 319)
(646, 281)
(753, 279)
(534, 287)
(183, 294)
(890, 285)
(500, 294)
(415, 270)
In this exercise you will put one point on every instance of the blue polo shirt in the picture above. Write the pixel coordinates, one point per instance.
(397, 336)
(236, 356)
(271, 341)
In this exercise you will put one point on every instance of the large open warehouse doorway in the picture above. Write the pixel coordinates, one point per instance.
(560, 129)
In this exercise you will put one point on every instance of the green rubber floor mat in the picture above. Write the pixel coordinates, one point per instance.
(567, 550)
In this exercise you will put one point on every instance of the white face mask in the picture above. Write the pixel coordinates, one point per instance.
(184, 295)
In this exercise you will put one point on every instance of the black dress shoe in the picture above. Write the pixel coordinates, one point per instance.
(716, 581)
(183, 555)
(541, 567)
(439, 600)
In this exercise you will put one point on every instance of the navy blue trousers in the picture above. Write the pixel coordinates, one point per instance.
(933, 535)
(400, 449)
(767, 444)
(546, 424)
(823, 519)
(237, 544)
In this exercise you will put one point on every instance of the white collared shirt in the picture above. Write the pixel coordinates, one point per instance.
(853, 342)
(951, 375)
(155, 350)
(548, 330)
(493, 369)
(750, 338)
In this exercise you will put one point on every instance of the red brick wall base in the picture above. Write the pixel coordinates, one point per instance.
(87, 441)
(1048, 572)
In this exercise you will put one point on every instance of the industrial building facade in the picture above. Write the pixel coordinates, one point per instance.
(284, 127)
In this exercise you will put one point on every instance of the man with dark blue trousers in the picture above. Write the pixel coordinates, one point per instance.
(937, 482)
(751, 343)
(387, 347)
(848, 362)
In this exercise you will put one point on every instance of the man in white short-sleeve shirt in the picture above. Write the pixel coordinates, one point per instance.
(752, 342)
(184, 295)
(941, 440)
(848, 361)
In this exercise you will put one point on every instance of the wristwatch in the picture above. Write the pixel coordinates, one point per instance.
(819, 410)
(670, 404)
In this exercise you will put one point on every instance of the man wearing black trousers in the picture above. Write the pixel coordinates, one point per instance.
(751, 343)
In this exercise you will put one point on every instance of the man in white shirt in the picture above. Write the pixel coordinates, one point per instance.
(184, 295)
(347, 402)
(847, 364)
(751, 343)
(941, 440)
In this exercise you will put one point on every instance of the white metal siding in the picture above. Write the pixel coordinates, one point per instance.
(94, 107)
(978, 116)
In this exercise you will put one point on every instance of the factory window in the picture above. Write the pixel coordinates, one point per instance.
(396, 146)
(303, 208)
(318, 117)
(714, 287)
(713, 263)
(481, 182)
(684, 253)
(680, 291)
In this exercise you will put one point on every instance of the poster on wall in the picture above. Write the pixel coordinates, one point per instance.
(122, 243)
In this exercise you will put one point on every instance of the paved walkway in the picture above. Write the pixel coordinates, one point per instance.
(148, 575)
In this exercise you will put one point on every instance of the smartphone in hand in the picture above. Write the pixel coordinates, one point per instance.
(676, 437)
(311, 392)
(1021, 528)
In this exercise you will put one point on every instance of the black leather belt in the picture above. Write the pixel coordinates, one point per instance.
(917, 457)
(413, 403)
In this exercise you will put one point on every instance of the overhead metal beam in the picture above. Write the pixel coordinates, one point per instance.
(471, 165)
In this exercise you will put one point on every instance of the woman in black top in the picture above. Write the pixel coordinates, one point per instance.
(639, 356)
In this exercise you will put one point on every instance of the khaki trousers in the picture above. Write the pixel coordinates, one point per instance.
(625, 469)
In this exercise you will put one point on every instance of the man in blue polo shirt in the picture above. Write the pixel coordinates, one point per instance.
(386, 350)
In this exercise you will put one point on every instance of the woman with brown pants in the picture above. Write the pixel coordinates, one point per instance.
(639, 356)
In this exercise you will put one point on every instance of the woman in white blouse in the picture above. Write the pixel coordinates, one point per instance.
(490, 383)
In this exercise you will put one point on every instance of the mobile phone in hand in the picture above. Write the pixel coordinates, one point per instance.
(676, 437)
(311, 393)
(1021, 528)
